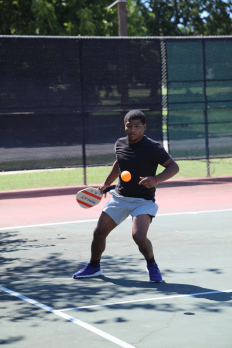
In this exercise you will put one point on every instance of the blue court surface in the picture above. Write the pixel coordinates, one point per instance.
(42, 306)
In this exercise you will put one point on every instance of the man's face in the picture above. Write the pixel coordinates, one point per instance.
(134, 130)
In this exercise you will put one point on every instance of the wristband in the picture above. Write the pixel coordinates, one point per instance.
(156, 180)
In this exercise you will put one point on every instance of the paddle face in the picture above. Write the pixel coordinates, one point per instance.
(90, 196)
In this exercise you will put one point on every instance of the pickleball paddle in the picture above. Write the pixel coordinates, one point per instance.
(90, 196)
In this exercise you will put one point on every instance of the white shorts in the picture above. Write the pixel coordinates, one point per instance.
(120, 207)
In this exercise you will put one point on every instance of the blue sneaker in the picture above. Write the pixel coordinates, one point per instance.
(88, 271)
(154, 273)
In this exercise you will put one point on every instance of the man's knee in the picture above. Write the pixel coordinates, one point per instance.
(139, 238)
(99, 233)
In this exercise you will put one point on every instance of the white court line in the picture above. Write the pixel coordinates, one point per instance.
(147, 299)
(80, 221)
(69, 318)
(50, 224)
(195, 212)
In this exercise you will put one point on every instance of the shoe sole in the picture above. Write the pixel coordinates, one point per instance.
(90, 276)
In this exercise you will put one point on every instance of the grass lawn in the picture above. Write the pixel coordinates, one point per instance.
(96, 175)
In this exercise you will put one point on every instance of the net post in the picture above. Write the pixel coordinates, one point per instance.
(205, 112)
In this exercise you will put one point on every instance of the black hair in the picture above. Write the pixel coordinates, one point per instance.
(135, 115)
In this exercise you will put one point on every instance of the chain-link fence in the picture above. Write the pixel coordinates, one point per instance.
(63, 99)
(199, 92)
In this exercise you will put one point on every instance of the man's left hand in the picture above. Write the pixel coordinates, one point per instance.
(148, 182)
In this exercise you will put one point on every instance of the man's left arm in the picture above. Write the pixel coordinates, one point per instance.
(171, 169)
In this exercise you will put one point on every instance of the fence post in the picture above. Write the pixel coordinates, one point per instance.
(164, 95)
(83, 114)
(205, 112)
(83, 147)
(123, 84)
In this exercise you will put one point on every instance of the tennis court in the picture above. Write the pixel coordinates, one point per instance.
(41, 305)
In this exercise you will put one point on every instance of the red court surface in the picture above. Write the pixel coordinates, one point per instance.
(33, 207)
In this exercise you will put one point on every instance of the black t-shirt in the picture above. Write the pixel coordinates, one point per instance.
(140, 159)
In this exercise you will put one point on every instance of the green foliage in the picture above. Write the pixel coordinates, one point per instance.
(57, 17)
(16, 17)
(135, 20)
(92, 18)
(187, 17)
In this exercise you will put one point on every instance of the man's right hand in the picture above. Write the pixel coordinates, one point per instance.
(102, 188)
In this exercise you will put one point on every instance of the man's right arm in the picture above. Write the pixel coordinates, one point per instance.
(110, 178)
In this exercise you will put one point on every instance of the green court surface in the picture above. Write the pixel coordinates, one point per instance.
(42, 306)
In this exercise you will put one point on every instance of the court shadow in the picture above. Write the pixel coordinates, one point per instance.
(32, 268)
(171, 289)
(11, 340)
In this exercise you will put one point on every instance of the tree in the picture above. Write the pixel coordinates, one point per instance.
(57, 17)
(187, 17)
(16, 17)
(92, 18)
(218, 21)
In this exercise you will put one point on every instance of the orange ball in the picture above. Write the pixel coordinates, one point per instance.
(126, 176)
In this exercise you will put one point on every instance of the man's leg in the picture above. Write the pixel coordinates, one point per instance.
(104, 226)
(140, 228)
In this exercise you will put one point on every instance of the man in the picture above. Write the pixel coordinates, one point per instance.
(140, 156)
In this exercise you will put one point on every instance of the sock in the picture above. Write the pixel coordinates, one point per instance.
(95, 263)
(152, 260)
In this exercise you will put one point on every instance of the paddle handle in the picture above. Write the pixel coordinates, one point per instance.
(109, 188)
